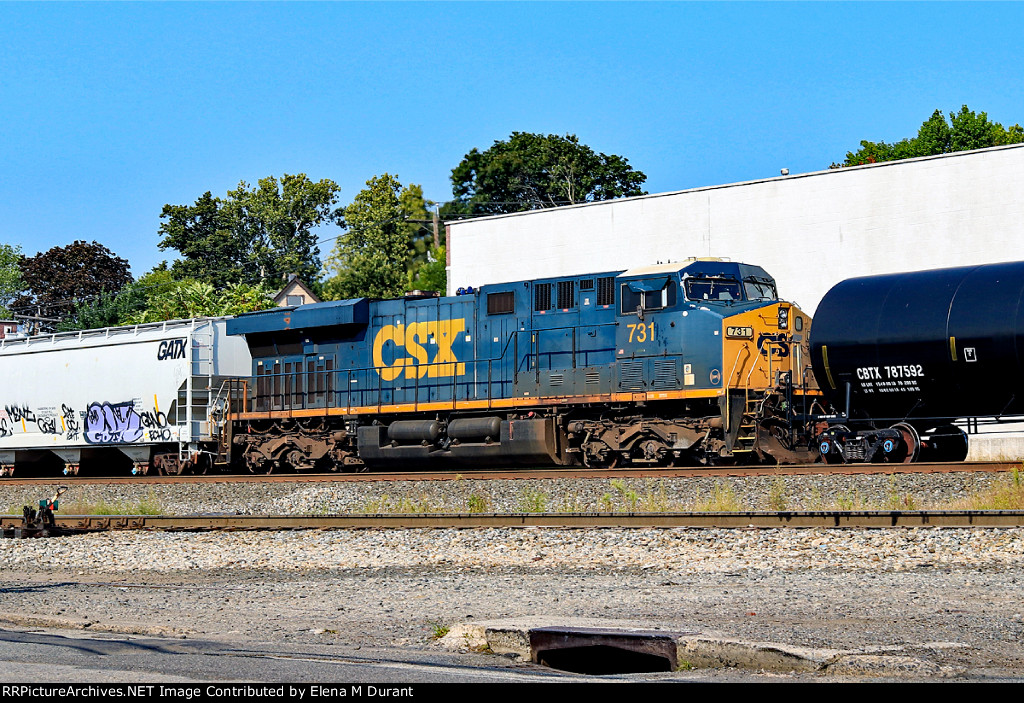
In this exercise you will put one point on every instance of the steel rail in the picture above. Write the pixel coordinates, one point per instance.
(544, 473)
(731, 520)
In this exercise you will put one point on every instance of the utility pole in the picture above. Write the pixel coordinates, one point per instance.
(437, 226)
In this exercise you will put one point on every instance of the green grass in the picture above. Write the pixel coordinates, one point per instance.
(1005, 493)
(144, 506)
(404, 504)
(723, 499)
(532, 500)
(477, 503)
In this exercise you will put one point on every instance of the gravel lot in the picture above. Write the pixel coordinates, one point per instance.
(950, 596)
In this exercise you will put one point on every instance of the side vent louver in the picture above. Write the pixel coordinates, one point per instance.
(665, 377)
(631, 375)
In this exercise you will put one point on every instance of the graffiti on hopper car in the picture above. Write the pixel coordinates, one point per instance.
(107, 423)
(47, 424)
(17, 413)
(154, 419)
(70, 420)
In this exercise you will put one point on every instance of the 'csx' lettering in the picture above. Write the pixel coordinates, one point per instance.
(171, 349)
(413, 337)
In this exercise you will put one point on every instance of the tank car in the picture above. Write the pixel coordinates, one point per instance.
(903, 356)
(695, 362)
(145, 397)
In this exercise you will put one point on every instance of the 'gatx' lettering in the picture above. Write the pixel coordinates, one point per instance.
(171, 349)
(413, 337)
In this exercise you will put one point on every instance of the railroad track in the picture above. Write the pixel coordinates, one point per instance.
(545, 473)
(734, 520)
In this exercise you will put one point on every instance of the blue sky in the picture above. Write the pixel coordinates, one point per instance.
(110, 110)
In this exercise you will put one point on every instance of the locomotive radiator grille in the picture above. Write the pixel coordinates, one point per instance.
(631, 375)
(665, 377)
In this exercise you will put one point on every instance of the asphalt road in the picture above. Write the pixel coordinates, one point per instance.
(59, 656)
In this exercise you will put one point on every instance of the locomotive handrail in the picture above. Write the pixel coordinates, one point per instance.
(280, 393)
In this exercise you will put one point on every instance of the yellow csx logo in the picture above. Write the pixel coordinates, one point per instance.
(413, 337)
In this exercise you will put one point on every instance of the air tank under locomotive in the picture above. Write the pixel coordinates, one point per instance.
(909, 353)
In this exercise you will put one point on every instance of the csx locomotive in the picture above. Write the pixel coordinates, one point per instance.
(678, 363)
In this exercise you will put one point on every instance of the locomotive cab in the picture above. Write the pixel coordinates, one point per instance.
(712, 339)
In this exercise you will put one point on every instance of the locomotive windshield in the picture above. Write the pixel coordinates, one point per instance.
(713, 288)
(759, 288)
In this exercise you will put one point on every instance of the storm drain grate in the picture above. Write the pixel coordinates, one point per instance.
(583, 650)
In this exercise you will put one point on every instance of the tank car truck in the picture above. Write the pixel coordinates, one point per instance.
(684, 363)
(902, 356)
(145, 397)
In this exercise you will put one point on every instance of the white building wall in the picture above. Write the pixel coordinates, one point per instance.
(810, 231)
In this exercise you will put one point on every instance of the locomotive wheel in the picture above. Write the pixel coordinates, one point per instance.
(262, 468)
(830, 450)
(603, 458)
(905, 451)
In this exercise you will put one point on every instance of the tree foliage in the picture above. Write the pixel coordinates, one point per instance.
(187, 299)
(964, 131)
(534, 171)
(253, 235)
(157, 296)
(11, 283)
(421, 235)
(125, 307)
(432, 274)
(374, 257)
(63, 276)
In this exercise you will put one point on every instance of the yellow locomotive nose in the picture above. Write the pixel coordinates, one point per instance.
(760, 346)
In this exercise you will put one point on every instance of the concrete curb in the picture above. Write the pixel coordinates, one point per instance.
(93, 625)
(709, 651)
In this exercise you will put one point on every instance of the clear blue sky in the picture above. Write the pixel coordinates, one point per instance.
(111, 110)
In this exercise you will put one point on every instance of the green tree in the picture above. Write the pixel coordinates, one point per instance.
(965, 130)
(186, 299)
(534, 171)
(206, 236)
(11, 283)
(373, 257)
(125, 307)
(62, 277)
(420, 233)
(432, 274)
(253, 235)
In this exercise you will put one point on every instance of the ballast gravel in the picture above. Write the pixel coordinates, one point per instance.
(951, 596)
(466, 494)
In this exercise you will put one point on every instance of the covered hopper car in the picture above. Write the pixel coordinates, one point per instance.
(143, 397)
